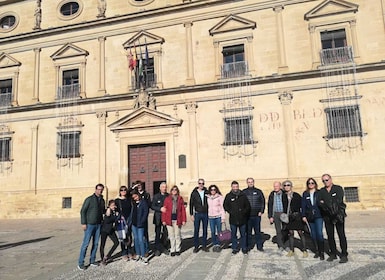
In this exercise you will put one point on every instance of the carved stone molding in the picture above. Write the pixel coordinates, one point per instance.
(191, 107)
(285, 97)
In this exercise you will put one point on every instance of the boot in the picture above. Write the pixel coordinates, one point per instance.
(321, 250)
(316, 250)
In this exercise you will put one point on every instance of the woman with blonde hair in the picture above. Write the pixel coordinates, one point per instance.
(174, 218)
(295, 218)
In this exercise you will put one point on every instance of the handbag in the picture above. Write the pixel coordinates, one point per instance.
(284, 218)
(121, 228)
(165, 240)
(224, 235)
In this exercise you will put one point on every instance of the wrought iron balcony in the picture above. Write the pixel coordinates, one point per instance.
(234, 69)
(146, 81)
(68, 92)
(337, 55)
(6, 99)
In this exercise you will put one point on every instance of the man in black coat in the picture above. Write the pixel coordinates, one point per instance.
(331, 203)
(238, 206)
(199, 213)
(157, 206)
(257, 204)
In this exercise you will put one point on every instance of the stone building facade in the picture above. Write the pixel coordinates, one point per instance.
(175, 90)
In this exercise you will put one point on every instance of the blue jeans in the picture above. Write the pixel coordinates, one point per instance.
(139, 240)
(254, 222)
(92, 231)
(316, 229)
(198, 217)
(215, 227)
(234, 240)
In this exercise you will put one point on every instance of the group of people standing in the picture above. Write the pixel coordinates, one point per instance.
(290, 212)
(125, 221)
(126, 217)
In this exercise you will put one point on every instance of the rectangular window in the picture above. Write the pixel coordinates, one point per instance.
(238, 131)
(67, 202)
(5, 93)
(5, 149)
(234, 64)
(333, 39)
(335, 48)
(70, 86)
(144, 74)
(343, 121)
(68, 144)
(351, 194)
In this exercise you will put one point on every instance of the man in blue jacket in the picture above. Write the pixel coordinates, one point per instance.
(91, 216)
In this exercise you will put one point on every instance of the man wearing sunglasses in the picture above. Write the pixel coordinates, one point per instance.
(199, 213)
(331, 203)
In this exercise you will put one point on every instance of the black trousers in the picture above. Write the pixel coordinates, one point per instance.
(340, 227)
(103, 239)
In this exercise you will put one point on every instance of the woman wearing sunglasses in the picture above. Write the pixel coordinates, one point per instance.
(216, 215)
(174, 218)
(311, 214)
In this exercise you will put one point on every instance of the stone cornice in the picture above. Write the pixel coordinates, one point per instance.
(272, 79)
(136, 23)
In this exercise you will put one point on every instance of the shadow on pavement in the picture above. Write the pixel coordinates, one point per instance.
(12, 245)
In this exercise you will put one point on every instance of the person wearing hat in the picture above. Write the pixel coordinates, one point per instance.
(277, 205)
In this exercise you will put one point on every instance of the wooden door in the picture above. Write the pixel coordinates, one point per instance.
(147, 163)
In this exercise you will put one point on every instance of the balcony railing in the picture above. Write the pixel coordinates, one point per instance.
(6, 99)
(234, 69)
(147, 81)
(68, 91)
(337, 55)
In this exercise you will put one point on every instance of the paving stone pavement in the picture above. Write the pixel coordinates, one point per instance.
(48, 249)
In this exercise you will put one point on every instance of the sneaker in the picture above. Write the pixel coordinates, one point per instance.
(173, 254)
(195, 250)
(104, 261)
(136, 258)
(244, 253)
(317, 255)
(290, 253)
(81, 267)
(321, 256)
(94, 264)
(331, 258)
(344, 259)
(177, 253)
(144, 260)
(305, 254)
(205, 249)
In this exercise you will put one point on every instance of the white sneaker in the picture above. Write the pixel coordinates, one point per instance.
(144, 261)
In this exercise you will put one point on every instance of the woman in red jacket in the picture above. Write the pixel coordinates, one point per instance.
(174, 218)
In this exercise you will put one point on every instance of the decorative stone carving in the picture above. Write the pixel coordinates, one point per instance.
(285, 97)
(37, 15)
(102, 6)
